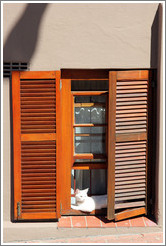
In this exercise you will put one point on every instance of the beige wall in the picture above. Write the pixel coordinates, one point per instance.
(79, 35)
(56, 36)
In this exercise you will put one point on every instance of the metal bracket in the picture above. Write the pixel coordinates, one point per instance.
(153, 84)
(60, 85)
(60, 208)
(18, 209)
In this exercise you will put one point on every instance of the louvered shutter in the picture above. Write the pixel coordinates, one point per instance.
(128, 143)
(36, 144)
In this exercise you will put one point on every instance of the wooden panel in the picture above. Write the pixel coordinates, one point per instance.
(37, 215)
(133, 75)
(58, 141)
(130, 213)
(111, 145)
(40, 137)
(65, 167)
(129, 137)
(39, 117)
(16, 139)
(38, 75)
(131, 141)
(85, 73)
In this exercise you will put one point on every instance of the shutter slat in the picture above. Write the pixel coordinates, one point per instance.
(129, 205)
(46, 94)
(38, 206)
(37, 81)
(131, 162)
(37, 90)
(38, 194)
(126, 182)
(131, 107)
(39, 118)
(127, 150)
(130, 91)
(37, 106)
(36, 186)
(127, 119)
(129, 166)
(39, 198)
(38, 99)
(124, 154)
(130, 103)
(36, 166)
(37, 110)
(31, 103)
(38, 202)
(127, 198)
(41, 150)
(129, 178)
(38, 131)
(132, 95)
(35, 182)
(127, 86)
(129, 186)
(31, 86)
(132, 82)
(123, 191)
(35, 175)
(37, 162)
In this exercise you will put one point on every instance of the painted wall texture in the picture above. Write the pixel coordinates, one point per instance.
(54, 36)
(75, 35)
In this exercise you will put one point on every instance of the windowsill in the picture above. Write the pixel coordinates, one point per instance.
(101, 222)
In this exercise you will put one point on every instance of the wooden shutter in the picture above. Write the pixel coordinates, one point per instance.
(36, 144)
(128, 143)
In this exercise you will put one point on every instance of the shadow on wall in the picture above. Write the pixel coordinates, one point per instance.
(156, 32)
(22, 40)
(154, 40)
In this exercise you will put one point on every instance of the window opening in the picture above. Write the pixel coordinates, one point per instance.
(89, 165)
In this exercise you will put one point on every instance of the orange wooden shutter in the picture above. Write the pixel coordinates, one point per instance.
(36, 144)
(128, 143)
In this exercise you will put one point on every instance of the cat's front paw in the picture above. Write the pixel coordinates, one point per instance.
(74, 207)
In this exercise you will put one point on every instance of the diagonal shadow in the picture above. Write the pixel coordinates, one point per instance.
(20, 46)
(21, 42)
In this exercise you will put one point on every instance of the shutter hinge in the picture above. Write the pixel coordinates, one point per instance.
(18, 209)
(60, 85)
(60, 208)
(153, 84)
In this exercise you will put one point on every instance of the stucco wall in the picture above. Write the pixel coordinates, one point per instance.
(55, 36)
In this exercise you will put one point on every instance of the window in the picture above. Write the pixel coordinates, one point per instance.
(89, 130)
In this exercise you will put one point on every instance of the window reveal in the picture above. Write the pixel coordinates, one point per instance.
(89, 140)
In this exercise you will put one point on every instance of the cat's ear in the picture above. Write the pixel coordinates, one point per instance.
(77, 191)
(86, 190)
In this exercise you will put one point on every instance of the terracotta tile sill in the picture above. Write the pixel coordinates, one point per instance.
(101, 221)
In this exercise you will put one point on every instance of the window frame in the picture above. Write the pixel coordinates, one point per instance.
(89, 155)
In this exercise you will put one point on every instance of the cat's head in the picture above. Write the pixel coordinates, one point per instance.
(81, 195)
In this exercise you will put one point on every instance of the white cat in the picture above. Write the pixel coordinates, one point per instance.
(88, 204)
